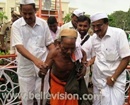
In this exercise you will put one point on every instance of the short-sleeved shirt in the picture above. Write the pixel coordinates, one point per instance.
(6, 29)
(35, 39)
(109, 52)
(54, 35)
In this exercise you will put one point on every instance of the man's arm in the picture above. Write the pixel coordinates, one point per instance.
(49, 60)
(38, 62)
(23, 51)
(48, 63)
(82, 72)
(124, 52)
(91, 61)
(51, 46)
(122, 66)
(2, 41)
(84, 59)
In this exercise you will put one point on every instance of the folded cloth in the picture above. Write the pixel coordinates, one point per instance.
(77, 55)
(72, 85)
(78, 87)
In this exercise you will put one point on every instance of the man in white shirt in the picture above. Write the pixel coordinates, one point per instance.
(74, 17)
(32, 39)
(83, 26)
(111, 50)
(53, 25)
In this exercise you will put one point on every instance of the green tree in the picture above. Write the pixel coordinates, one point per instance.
(119, 19)
(2, 17)
(128, 20)
(111, 21)
(67, 18)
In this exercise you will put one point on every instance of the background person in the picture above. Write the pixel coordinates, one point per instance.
(53, 25)
(63, 67)
(6, 29)
(32, 39)
(111, 51)
(83, 26)
(73, 23)
(74, 18)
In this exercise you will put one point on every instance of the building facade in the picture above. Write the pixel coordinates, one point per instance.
(8, 5)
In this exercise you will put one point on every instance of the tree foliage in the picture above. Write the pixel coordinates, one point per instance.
(128, 20)
(118, 19)
(111, 21)
(2, 17)
(67, 18)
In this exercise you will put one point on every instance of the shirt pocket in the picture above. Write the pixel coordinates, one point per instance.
(39, 41)
(111, 54)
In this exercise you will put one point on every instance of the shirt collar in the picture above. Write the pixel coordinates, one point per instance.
(84, 36)
(108, 33)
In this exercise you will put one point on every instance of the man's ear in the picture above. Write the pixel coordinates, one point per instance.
(57, 42)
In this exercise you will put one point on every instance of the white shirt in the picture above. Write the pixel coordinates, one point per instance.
(54, 35)
(109, 52)
(34, 39)
(87, 46)
(65, 26)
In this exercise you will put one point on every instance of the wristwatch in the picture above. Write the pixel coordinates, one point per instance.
(112, 79)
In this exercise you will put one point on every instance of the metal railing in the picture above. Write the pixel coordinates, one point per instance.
(9, 87)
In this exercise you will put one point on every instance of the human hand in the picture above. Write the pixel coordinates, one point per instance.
(39, 63)
(82, 72)
(43, 71)
(110, 82)
(41, 74)
(88, 63)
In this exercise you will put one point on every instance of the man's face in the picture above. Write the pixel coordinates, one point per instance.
(99, 27)
(83, 27)
(74, 20)
(28, 13)
(53, 27)
(68, 46)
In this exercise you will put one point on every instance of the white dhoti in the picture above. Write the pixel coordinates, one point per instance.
(108, 96)
(30, 88)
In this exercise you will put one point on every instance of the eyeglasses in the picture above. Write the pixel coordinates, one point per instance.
(67, 49)
(97, 25)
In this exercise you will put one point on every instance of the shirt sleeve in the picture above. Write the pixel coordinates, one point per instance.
(15, 35)
(124, 48)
